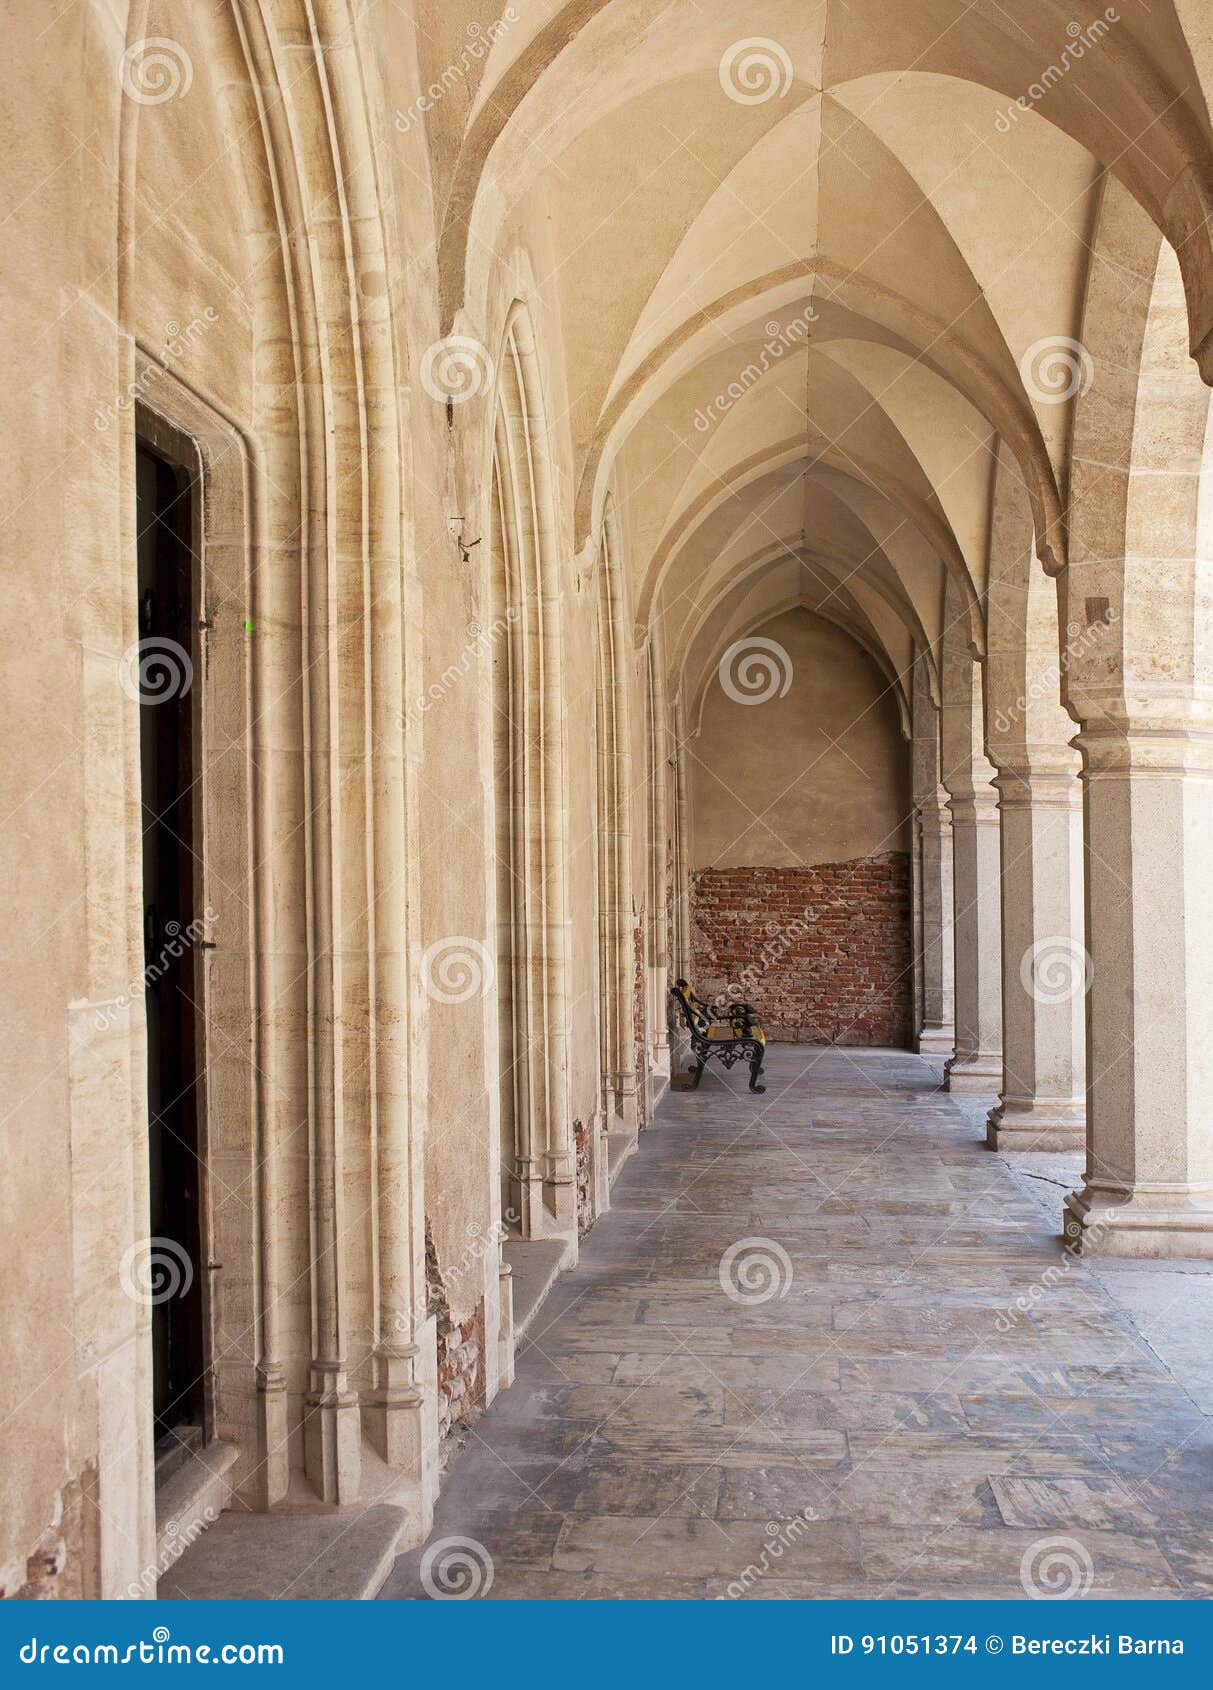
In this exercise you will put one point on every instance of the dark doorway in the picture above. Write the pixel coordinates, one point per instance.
(168, 616)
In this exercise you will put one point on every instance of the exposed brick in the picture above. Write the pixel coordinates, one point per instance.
(822, 953)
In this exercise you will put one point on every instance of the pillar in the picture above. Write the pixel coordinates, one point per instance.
(934, 821)
(1045, 965)
(977, 1063)
(1148, 804)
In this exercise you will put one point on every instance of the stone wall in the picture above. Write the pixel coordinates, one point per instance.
(823, 953)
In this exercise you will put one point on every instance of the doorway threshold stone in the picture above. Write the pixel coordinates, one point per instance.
(338, 1556)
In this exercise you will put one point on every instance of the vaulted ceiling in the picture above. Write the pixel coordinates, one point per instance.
(811, 262)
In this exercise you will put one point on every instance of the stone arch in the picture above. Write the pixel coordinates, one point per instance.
(539, 1184)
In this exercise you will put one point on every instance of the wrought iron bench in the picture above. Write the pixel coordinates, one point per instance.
(725, 1030)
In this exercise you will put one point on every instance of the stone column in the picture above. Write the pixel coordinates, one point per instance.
(1045, 964)
(938, 1034)
(977, 1063)
(1148, 804)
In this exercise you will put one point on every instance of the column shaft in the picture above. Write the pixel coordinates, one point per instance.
(1149, 840)
(1045, 964)
(977, 1063)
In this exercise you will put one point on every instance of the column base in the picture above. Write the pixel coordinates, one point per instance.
(1039, 1125)
(1158, 1225)
(980, 1073)
(936, 1040)
(332, 1437)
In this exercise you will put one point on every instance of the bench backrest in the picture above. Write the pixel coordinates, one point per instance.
(687, 1005)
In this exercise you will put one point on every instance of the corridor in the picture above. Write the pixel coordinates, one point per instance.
(899, 1386)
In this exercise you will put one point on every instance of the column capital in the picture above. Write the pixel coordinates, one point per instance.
(978, 804)
(1040, 788)
(1173, 739)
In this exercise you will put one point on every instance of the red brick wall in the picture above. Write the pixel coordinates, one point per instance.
(823, 953)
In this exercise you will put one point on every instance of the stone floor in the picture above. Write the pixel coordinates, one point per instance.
(899, 1386)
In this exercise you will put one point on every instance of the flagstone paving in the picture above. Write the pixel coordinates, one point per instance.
(901, 1386)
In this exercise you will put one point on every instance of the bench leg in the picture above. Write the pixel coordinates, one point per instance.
(756, 1071)
(696, 1076)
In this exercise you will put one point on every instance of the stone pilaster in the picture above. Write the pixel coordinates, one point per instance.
(1045, 963)
(1148, 801)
